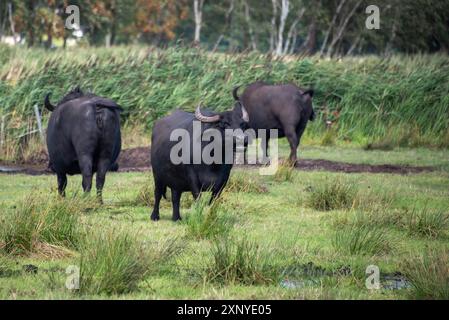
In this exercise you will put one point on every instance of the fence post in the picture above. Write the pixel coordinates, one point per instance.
(39, 123)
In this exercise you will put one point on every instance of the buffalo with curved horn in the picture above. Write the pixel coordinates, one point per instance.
(188, 176)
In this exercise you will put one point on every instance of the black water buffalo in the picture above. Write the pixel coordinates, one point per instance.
(286, 108)
(83, 136)
(190, 175)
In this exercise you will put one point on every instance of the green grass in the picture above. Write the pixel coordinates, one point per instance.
(272, 232)
(42, 220)
(239, 261)
(427, 222)
(361, 240)
(284, 173)
(332, 195)
(111, 263)
(429, 274)
(208, 221)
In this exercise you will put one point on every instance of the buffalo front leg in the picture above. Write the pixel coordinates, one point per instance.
(293, 140)
(85, 163)
(176, 199)
(195, 185)
(158, 192)
(62, 184)
(102, 168)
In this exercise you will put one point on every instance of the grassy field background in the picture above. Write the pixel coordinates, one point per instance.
(318, 230)
(294, 235)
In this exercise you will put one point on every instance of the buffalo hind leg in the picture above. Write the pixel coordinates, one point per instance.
(102, 168)
(158, 192)
(293, 140)
(176, 199)
(62, 184)
(85, 163)
(265, 142)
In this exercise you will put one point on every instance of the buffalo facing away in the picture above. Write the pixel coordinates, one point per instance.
(191, 176)
(286, 108)
(83, 136)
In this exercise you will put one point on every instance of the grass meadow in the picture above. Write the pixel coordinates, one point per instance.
(302, 235)
(294, 235)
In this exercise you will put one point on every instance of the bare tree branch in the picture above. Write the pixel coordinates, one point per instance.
(342, 28)
(198, 13)
(250, 28)
(334, 20)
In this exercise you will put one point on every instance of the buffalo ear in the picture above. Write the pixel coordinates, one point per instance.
(309, 92)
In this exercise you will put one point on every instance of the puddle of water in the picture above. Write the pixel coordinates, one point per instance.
(393, 282)
(296, 284)
(10, 169)
(309, 274)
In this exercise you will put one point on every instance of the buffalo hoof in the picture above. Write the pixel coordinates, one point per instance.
(176, 219)
(155, 217)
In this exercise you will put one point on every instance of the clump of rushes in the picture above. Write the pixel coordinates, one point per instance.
(242, 182)
(115, 262)
(329, 138)
(207, 221)
(112, 262)
(332, 195)
(38, 222)
(361, 240)
(239, 261)
(429, 274)
(145, 197)
(285, 172)
(427, 222)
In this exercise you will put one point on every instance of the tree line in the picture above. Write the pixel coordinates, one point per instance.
(326, 27)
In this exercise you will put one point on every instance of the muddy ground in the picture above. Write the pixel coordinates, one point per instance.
(138, 159)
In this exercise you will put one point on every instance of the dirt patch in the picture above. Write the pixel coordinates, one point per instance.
(138, 159)
(335, 166)
(135, 159)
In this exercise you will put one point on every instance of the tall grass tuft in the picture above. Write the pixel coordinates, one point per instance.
(39, 221)
(241, 182)
(239, 261)
(427, 222)
(429, 274)
(329, 138)
(332, 195)
(145, 196)
(112, 262)
(115, 262)
(208, 221)
(361, 240)
(285, 172)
